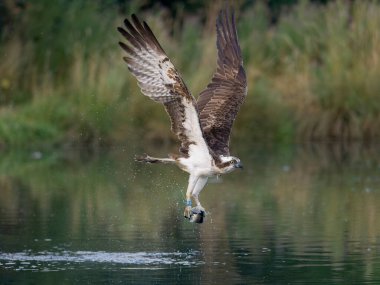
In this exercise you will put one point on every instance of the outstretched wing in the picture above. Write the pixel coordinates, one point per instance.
(219, 103)
(160, 81)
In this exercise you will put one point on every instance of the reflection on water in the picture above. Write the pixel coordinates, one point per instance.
(295, 215)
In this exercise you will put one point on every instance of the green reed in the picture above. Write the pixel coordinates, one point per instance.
(312, 75)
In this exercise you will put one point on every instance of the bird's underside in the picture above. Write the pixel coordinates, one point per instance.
(198, 177)
(203, 127)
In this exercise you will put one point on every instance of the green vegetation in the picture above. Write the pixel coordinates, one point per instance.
(313, 74)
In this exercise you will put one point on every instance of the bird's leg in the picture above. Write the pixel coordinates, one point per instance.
(148, 159)
(192, 182)
(197, 189)
(196, 184)
(198, 213)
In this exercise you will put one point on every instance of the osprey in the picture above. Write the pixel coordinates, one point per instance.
(202, 126)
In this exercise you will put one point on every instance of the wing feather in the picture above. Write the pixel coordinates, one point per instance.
(219, 103)
(160, 81)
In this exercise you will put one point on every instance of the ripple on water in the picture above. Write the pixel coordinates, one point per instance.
(57, 261)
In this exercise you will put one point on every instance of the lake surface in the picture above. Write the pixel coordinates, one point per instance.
(294, 215)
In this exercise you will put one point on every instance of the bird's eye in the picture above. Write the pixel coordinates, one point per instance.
(232, 162)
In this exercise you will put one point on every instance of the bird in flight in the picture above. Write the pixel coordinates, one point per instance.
(202, 126)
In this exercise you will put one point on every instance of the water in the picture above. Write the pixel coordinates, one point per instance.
(294, 215)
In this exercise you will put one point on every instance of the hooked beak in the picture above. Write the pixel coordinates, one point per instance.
(239, 165)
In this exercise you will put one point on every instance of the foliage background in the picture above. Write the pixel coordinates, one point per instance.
(313, 70)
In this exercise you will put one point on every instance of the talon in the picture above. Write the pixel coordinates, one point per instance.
(141, 158)
(146, 158)
(187, 213)
(197, 215)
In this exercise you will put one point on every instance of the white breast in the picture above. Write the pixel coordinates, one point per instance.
(198, 163)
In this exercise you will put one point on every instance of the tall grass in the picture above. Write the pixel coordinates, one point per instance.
(312, 76)
(322, 64)
(60, 80)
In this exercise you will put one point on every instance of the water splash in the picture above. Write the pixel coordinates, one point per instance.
(67, 260)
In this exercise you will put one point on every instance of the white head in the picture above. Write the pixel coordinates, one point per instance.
(229, 163)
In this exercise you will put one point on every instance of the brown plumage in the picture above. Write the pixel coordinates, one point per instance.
(202, 127)
(156, 76)
(219, 103)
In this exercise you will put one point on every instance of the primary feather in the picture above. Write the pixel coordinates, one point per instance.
(161, 82)
(206, 123)
(219, 103)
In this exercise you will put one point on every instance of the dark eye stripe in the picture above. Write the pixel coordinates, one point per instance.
(224, 164)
